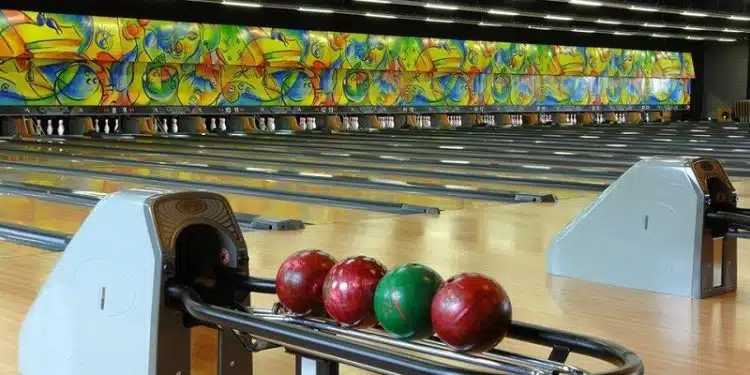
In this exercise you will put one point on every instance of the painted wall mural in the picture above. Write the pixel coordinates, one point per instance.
(59, 59)
(88, 83)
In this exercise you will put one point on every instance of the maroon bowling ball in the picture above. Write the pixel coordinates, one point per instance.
(471, 313)
(349, 290)
(299, 281)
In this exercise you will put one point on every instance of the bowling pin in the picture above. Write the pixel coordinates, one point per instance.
(271, 124)
(96, 125)
(356, 123)
(222, 124)
(175, 128)
(303, 123)
(346, 123)
(106, 126)
(429, 122)
(117, 126)
(311, 123)
(213, 124)
(49, 127)
(60, 127)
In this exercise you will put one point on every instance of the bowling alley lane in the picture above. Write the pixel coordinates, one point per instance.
(395, 179)
(507, 155)
(444, 203)
(47, 215)
(448, 164)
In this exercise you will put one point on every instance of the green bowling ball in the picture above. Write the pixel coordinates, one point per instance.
(403, 299)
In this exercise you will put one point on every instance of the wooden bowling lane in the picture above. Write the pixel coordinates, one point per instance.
(47, 213)
(673, 335)
(390, 196)
(40, 214)
(353, 171)
(450, 164)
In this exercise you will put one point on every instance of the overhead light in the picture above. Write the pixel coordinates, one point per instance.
(658, 35)
(690, 37)
(375, 1)
(608, 22)
(643, 9)
(587, 3)
(621, 33)
(558, 18)
(380, 15)
(726, 40)
(731, 31)
(739, 18)
(490, 24)
(693, 14)
(655, 25)
(586, 31)
(241, 4)
(315, 10)
(439, 20)
(502, 12)
(539, 28)
(441, 6)
(693, 28)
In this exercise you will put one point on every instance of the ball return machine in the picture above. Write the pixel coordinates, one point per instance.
(125, 303)
(667, 225)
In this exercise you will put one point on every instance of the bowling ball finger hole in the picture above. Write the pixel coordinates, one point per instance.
(207, 261)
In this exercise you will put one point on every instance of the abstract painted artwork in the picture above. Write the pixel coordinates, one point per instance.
(58, 59)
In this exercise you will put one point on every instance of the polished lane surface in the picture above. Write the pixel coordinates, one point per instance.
(537, 185)
(388, 196)
(447, 163)
(268, 208)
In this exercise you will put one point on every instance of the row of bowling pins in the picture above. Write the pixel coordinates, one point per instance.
(307, 123)
(516, 119)
(599, 118)
(165, 126)
(267, 124)
(106, 128)
(388, 122)
(571, 118)
(351, 123)
(487, 119)
(424, 121)
(222, 124)
(50, 127)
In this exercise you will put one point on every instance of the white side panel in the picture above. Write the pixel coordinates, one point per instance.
(96, 313)
(642, 232)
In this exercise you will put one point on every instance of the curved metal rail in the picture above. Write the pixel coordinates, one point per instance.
(328, 340)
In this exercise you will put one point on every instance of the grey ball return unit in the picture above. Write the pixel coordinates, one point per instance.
(667, 225)
(125, 303)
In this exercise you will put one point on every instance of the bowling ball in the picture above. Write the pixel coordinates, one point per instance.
(471, 313)
(403, 299)
(349, 288)
(299, 281)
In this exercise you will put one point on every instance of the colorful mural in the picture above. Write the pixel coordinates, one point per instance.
(59, 59)
(88, 83)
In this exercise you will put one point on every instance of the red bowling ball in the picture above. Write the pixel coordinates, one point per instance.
(471, 313)
(299, 281)
(349, 290)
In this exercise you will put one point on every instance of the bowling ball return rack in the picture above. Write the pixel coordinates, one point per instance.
(331, 343)
(177, 261)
